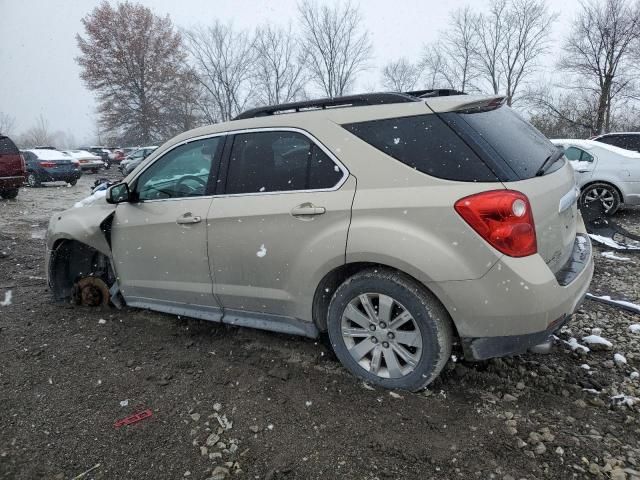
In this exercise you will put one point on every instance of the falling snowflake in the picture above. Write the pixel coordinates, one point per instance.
(262, 252)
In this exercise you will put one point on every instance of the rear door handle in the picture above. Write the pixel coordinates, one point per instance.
(188, 218)
(307, 209)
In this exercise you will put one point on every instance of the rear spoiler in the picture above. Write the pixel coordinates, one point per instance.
(466, 103)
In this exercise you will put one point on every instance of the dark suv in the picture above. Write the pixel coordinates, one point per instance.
(626, 140)
(11, 168)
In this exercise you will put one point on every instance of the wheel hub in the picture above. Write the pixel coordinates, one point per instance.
(381, 335)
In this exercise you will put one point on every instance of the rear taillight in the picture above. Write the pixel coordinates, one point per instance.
(503, 218)
(47, 164)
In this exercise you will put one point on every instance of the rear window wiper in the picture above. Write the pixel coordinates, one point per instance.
(550, 160)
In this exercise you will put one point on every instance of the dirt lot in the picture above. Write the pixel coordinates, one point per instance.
(263, 405)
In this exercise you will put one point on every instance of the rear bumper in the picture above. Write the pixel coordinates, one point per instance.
(91, 166)
(7, 183)
(53, 176)
(519, 303)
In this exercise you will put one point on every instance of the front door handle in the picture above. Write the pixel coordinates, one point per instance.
(188, 218)
(307, 209)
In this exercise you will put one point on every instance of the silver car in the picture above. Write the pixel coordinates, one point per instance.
(604, 173)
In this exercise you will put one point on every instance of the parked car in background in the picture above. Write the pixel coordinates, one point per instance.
(87, 160)
(50, 166)
(135, 158)
(102, 152)
(462, 227)
(626, 140)
(604, 173)
(12, 171)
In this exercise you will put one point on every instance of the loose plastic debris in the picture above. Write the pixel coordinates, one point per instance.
(134, 418)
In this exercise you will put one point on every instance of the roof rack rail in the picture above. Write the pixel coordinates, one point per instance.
(346, 101)
(324, 103)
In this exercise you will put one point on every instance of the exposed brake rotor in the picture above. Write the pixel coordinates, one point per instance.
(91, 292)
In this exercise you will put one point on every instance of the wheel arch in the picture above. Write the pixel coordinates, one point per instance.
(333, 279)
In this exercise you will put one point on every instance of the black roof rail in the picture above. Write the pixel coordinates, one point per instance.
(346, 101)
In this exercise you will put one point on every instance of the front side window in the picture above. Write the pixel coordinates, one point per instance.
(181, 172)
(279, 162)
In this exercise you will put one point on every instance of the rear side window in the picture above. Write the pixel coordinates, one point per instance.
(502, 133)
(7, 147)
(426, 143)
(628, 142)
(279, 162)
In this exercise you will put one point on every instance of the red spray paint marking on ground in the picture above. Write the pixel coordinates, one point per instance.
(134, 418)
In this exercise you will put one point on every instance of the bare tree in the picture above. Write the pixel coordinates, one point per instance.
(223, 61)
(512, 36)
(132, 59)
(400, 75)
(38, 134)
(280, 75)
(597, 52)
(436, 71)
(335, 47)
(460, 44)
(7, 123)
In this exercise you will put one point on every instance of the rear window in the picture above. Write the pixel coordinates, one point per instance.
(7, 147)
(503, 133)
(427, 144)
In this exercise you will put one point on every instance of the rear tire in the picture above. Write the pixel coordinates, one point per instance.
(72, 182)
(405, 340)
(33, 181)
(9, 194)
(605, 193)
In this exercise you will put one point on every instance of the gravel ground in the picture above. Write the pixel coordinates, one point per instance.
(241, 403)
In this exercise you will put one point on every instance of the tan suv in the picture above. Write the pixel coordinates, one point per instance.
(401, 224)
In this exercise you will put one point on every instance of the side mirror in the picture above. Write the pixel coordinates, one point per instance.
(118, 193)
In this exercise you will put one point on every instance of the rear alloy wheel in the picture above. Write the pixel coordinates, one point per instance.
(388, 330)
(607, 195)
(9, 194)
(72, 182)
(33, 181)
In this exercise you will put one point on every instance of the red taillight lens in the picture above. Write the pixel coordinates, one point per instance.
(503, 218)
(47, 164)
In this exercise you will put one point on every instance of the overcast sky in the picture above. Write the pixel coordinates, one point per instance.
(38, 73)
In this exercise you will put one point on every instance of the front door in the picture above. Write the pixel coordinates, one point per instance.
(282, 218)
(159, 240)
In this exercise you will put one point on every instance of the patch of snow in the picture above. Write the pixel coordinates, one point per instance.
(308, 403)
(91, 199)
(619, 359)
(613, 256)
(124, 403)
(102, 321)
(574, 345)
(395, 395)
(597, 340)
(7, 299)
(622, 399)
(610, 242)
(366, 386)
(635, 328)
(630, 305)
(585, 366)
(634, 375)
(262, 252)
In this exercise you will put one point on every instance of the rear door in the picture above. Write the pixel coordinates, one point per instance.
(282, 217)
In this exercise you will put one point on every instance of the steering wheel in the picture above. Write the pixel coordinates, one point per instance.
(183, 188)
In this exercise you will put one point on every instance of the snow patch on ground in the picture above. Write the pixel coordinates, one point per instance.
(91, 199)
(597, 340)
(627, 400)
(574, 345)
(619, 359)
(635, 328)
(7, 299)
(630, 305)
(613, 256)
(610, 242)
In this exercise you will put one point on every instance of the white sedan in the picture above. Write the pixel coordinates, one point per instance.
(86, 160)
(604, 173)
